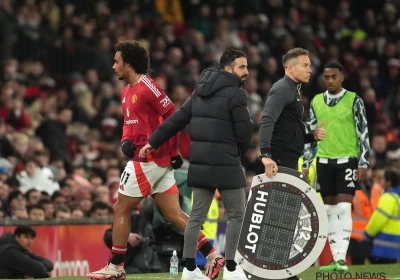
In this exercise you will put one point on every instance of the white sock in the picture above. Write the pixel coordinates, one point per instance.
(344, 230)
(333, 221)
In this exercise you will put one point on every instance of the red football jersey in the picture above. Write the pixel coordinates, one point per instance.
(145, 107)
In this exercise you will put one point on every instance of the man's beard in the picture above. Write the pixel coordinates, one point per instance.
(241, 80)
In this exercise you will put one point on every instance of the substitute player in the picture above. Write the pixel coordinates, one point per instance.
(342, 158)
(145, 106)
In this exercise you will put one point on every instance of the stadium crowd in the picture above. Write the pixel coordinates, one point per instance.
(60, 114)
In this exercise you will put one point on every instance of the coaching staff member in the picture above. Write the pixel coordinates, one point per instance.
(16, 260)
(282, 133)
(220, 130)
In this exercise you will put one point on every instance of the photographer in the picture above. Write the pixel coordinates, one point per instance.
(141, 256)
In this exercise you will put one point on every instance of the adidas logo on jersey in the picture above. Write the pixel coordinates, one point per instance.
(351, 185)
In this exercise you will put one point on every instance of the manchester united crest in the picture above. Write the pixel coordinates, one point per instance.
(134, 98)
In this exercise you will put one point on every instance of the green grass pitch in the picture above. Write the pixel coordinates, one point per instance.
(391, 272)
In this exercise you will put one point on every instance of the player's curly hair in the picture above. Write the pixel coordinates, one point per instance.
(133, 53)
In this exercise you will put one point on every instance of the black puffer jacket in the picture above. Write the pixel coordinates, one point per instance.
(220, 131)
(18, 263)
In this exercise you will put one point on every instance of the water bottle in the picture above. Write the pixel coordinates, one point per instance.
(173, 269)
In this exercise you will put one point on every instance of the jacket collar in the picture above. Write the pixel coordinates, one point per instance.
(395, 190)
(291, 82)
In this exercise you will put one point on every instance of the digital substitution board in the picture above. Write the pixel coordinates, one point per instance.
(284, 229)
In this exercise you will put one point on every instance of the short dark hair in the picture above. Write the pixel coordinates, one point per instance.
(13, 182)
(55, 195)
(14, 194)
(28, 193)
(62, 108)
(44, 201)
(100, 205)
(293, 53)
(44, 193)
(36, 206)
(31, 158)
(392, 176)
(334, 65)
(44, 152)
(133, 53)
(229, 56)
(25, 230)
(380, 133)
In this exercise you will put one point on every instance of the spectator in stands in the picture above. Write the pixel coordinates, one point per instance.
(53, 133)
(58, 198)
(96, 181)
(36, 176)
(36, 213)
(44, 195)
(378, 145)
(4, 171)
(84, 201)
(13, 183)
(36, 147)
(7, 149)
(32, 197)
(43, 156)
(16, 261)
(19, 213)
(101, 210)
(4, 192)
(20, 142)
(77, 214)
(394, 159)
(102, 193)
(62, 212)
(15, 200)
(48, 208)
(13, 111)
